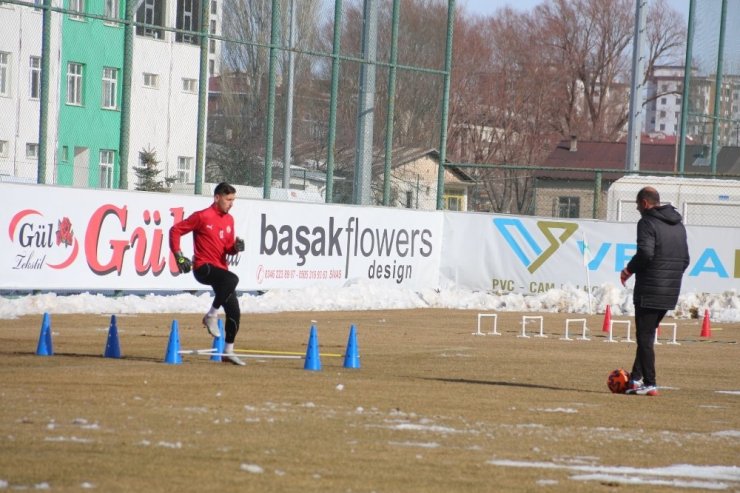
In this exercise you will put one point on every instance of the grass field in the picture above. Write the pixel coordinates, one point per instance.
(433, 408)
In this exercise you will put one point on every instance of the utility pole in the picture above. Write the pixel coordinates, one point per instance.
(637, 96)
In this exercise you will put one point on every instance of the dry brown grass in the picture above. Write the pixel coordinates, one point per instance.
(430, 408)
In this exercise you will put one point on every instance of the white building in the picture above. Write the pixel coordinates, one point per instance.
(665, 93)
(20, 91)
(164, 89)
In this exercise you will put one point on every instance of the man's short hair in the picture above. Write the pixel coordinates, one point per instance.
(224, 188)
(650, 194)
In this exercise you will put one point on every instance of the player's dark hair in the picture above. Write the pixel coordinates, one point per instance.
(650, 194)
(224, 188)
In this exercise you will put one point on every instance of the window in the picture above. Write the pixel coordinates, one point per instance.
(211, 46)
(453, 202)
(110, 88)
(662, 127)
(213, 27)
(65, 153)
(568, 207)
(189, 85)
(150, 12)
(214, 7)
(4, 74)
(34, 77)
(664, 88)
(184, 164)
(211, 67)
(663, 101)
(76, 6)
(678, 101)
(3, 148)
(32, 151)
(187, 20)
(151, 80)
(409, 199)
(111, 9)
(662, 114)
(106, 168)
(74, 83)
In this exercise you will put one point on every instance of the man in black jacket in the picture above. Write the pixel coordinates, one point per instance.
(661, 259)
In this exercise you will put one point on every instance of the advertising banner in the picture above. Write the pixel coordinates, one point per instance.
(531, 255)
(296, 244)
(72, 239)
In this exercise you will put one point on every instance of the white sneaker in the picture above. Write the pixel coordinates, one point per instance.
(210, 322)
(233, 359)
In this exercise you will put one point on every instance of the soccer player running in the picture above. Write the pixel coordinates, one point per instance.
(213, 239)
(661, 259)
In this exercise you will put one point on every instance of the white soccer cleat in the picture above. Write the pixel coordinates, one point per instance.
(233, 359)
(210, 322)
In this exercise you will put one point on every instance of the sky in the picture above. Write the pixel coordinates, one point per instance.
(366, 296)
(489, 7)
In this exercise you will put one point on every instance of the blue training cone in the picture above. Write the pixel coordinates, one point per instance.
(219, 342)
(313, 360)
(352, 355)
(112, 347)
(45, 346)
(173, 356)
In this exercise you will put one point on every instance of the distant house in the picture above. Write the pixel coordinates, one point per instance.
(562, 190)
(414, 177)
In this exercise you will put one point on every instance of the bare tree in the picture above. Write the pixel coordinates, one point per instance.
(588, 39)
(666, 39)
(237, 125)
(523, 81)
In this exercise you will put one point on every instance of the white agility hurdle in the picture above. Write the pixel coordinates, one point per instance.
(524, 326)
(212, 352)
(673, 341)
(611, 330)
(568, 321)
(495, 331)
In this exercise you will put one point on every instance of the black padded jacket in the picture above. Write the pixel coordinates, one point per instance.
(661, 259)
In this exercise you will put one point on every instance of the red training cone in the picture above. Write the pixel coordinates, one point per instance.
(607, 319)
(706, 328)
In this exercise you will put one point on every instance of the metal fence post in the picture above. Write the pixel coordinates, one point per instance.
(274, 40)
(445, 105)
(391, 106)
(718, 87)
(332, 138)
(200, 138)
(44, 94)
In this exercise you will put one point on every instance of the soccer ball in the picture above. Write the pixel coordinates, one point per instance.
(618, 380)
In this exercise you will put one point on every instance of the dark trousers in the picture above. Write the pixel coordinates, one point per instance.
(224, 284)
(647, 321)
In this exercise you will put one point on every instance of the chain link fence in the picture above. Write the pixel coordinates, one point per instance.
(146, 104)
(340, 101)
(713, 92)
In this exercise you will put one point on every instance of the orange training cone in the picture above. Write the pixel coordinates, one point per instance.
(706, 328)
(607, 319)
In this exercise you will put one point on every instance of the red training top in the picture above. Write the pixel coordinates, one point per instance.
(213, 236)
